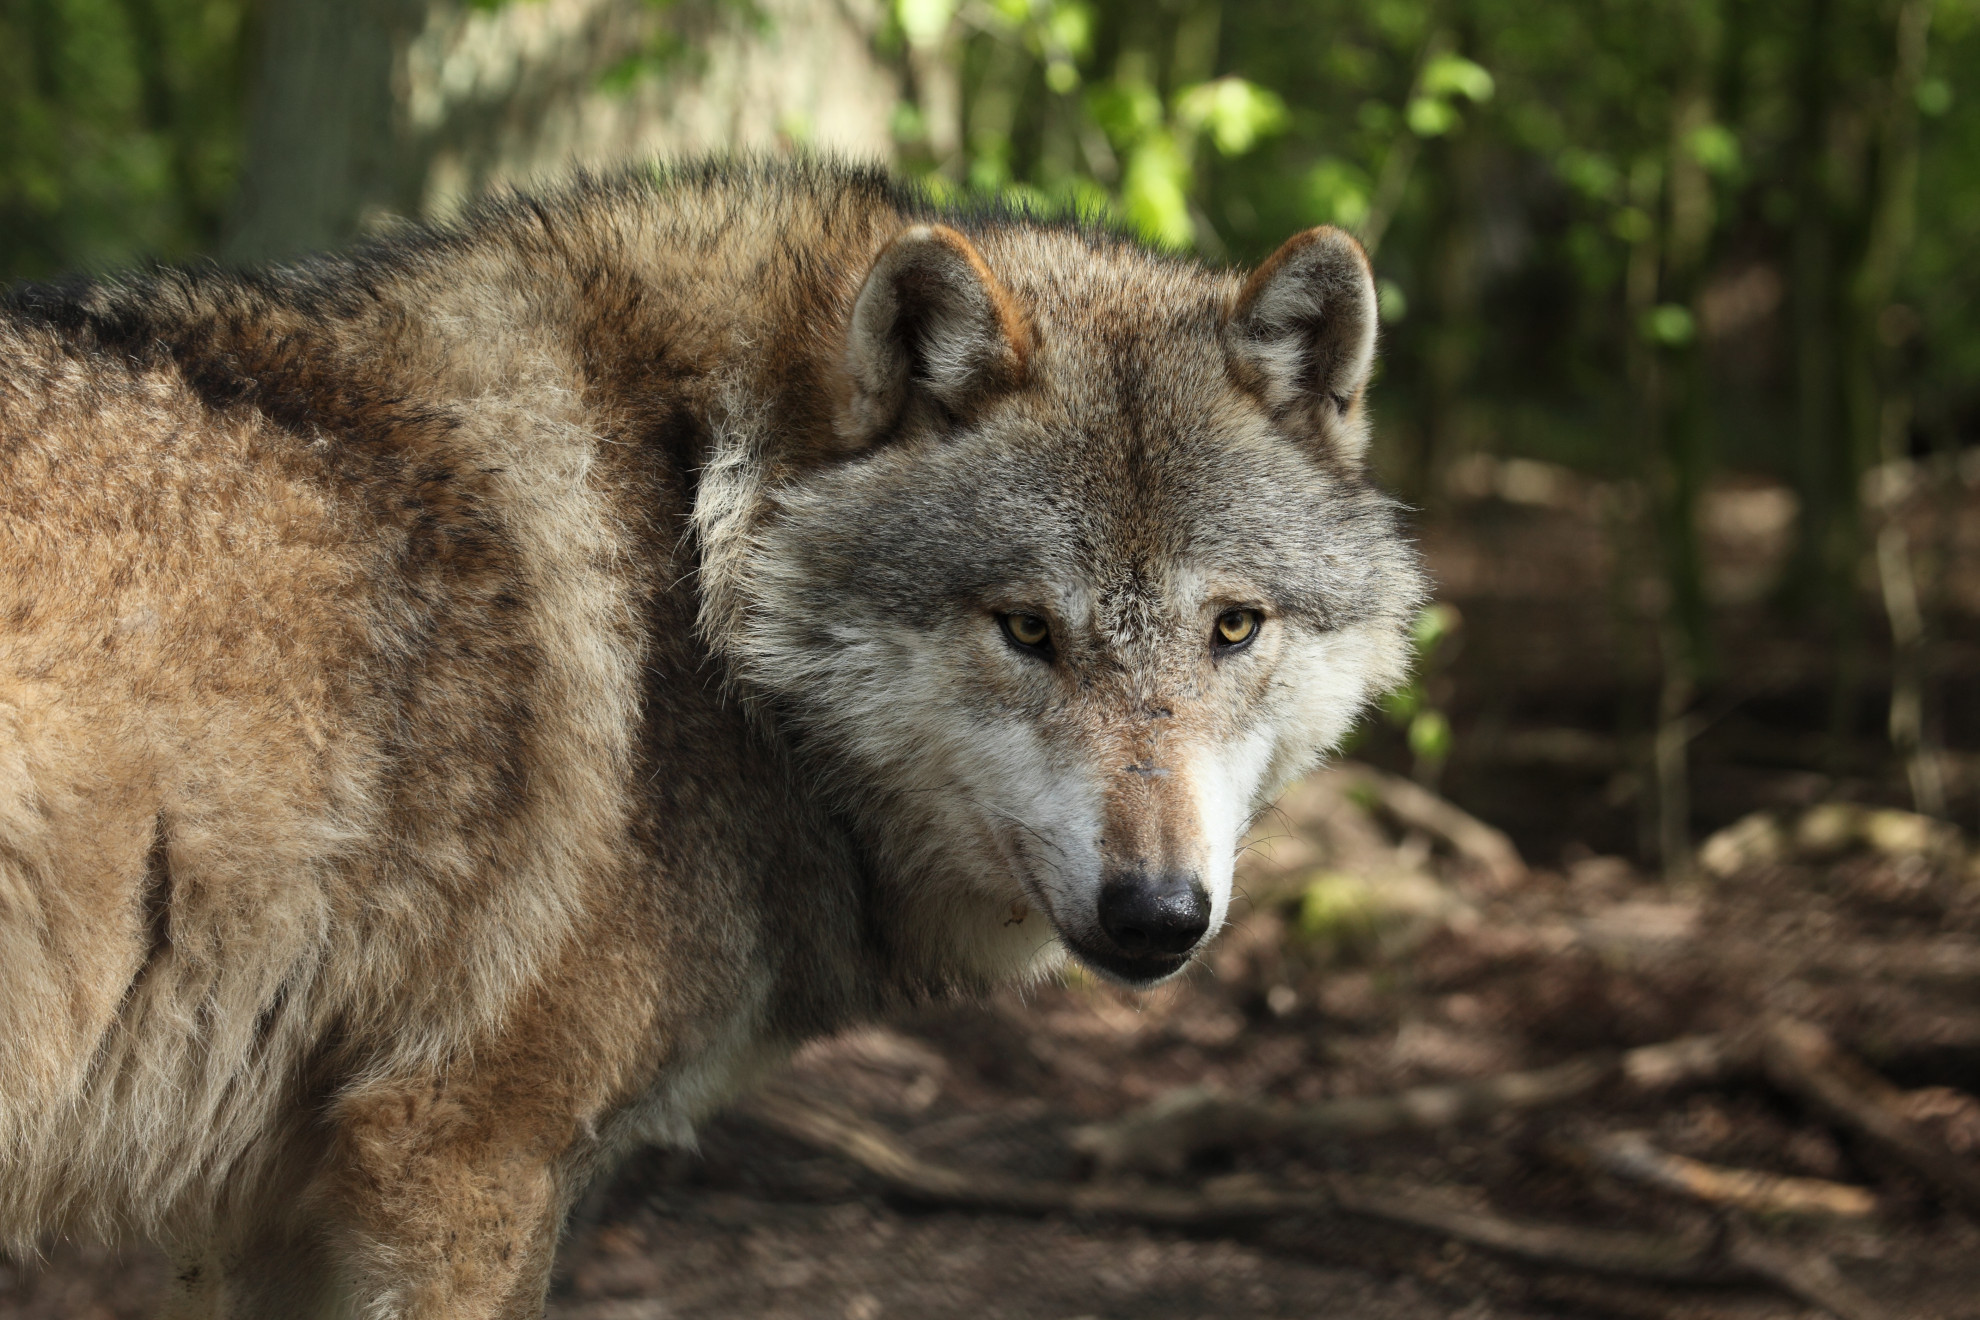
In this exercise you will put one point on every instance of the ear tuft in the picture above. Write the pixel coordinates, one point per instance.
(1302, 337)
(931, 326)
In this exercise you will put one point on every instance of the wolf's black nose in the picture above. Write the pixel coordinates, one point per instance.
(1153, 914)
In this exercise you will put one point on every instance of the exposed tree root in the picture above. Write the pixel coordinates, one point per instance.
(1631, 1156)
(1165, 1135)
(1808, 1275)
(1704, 1237)
(1704, 1259)
(1801, 1059)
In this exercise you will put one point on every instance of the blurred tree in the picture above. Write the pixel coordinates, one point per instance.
(372, 108)
(322, 143)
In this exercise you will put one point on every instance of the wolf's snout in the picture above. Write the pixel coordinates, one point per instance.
(1154, 916)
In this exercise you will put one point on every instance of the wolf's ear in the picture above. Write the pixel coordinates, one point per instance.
(931, 324)
(1302, 337)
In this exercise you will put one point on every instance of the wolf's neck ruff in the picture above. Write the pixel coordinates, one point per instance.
(470, 701)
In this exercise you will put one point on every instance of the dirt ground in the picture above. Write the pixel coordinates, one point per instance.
(1814, 1150)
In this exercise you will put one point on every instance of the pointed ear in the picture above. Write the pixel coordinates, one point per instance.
(931, 326)
(1302, 337)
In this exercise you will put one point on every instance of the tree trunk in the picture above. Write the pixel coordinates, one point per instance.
(370, 109)
(322, 141)
(1882, 411)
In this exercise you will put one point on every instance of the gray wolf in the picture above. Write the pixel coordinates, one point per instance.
(469, 705)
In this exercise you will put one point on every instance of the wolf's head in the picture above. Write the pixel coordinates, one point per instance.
(1096, 574)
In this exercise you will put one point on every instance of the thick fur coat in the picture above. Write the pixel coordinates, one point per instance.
(467, 705)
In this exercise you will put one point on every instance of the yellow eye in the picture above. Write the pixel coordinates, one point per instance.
(1236, 627)
(1027, 629)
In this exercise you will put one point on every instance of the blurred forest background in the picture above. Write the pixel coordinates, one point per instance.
(1681, 373)
(1692, 270)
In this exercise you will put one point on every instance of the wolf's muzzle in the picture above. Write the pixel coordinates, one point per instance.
(1150, 923)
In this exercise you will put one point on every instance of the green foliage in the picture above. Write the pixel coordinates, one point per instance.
(1338, 192)
(1338, 911)
(1447, 82)
(1647, 238)
(1670, 324)
(1053, 117)
(119, 129)
(1652, 239)
(1413, 708)
(926, 22)
(1236, 113)
(1450, 76)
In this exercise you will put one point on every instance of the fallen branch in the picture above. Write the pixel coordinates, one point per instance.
(1465, 834)
(1166, 1135)
(1809, 1275)
(1621, 1253)
(1630, 1155)
(1949, 963)
(1801, 1059)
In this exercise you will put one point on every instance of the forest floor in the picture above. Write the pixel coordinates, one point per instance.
(1432, 1069)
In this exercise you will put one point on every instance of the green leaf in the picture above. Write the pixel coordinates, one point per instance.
(1430, 736)
(1670, 325)
(1714, 147)
(1429, 117)
(1935, 97)
(1454, 75)
(1632, 224)
(1338, 907)
(1237, 112)
(925, 22)
(1069, 27)
(1432, 624)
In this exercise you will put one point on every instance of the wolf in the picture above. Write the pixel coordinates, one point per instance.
(469, 705)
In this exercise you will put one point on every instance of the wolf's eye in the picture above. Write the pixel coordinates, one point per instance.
(1236, 627)
(1027, 630)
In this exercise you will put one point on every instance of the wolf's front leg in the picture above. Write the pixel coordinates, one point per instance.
(448, 1194)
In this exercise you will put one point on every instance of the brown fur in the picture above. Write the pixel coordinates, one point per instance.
(395, 820)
